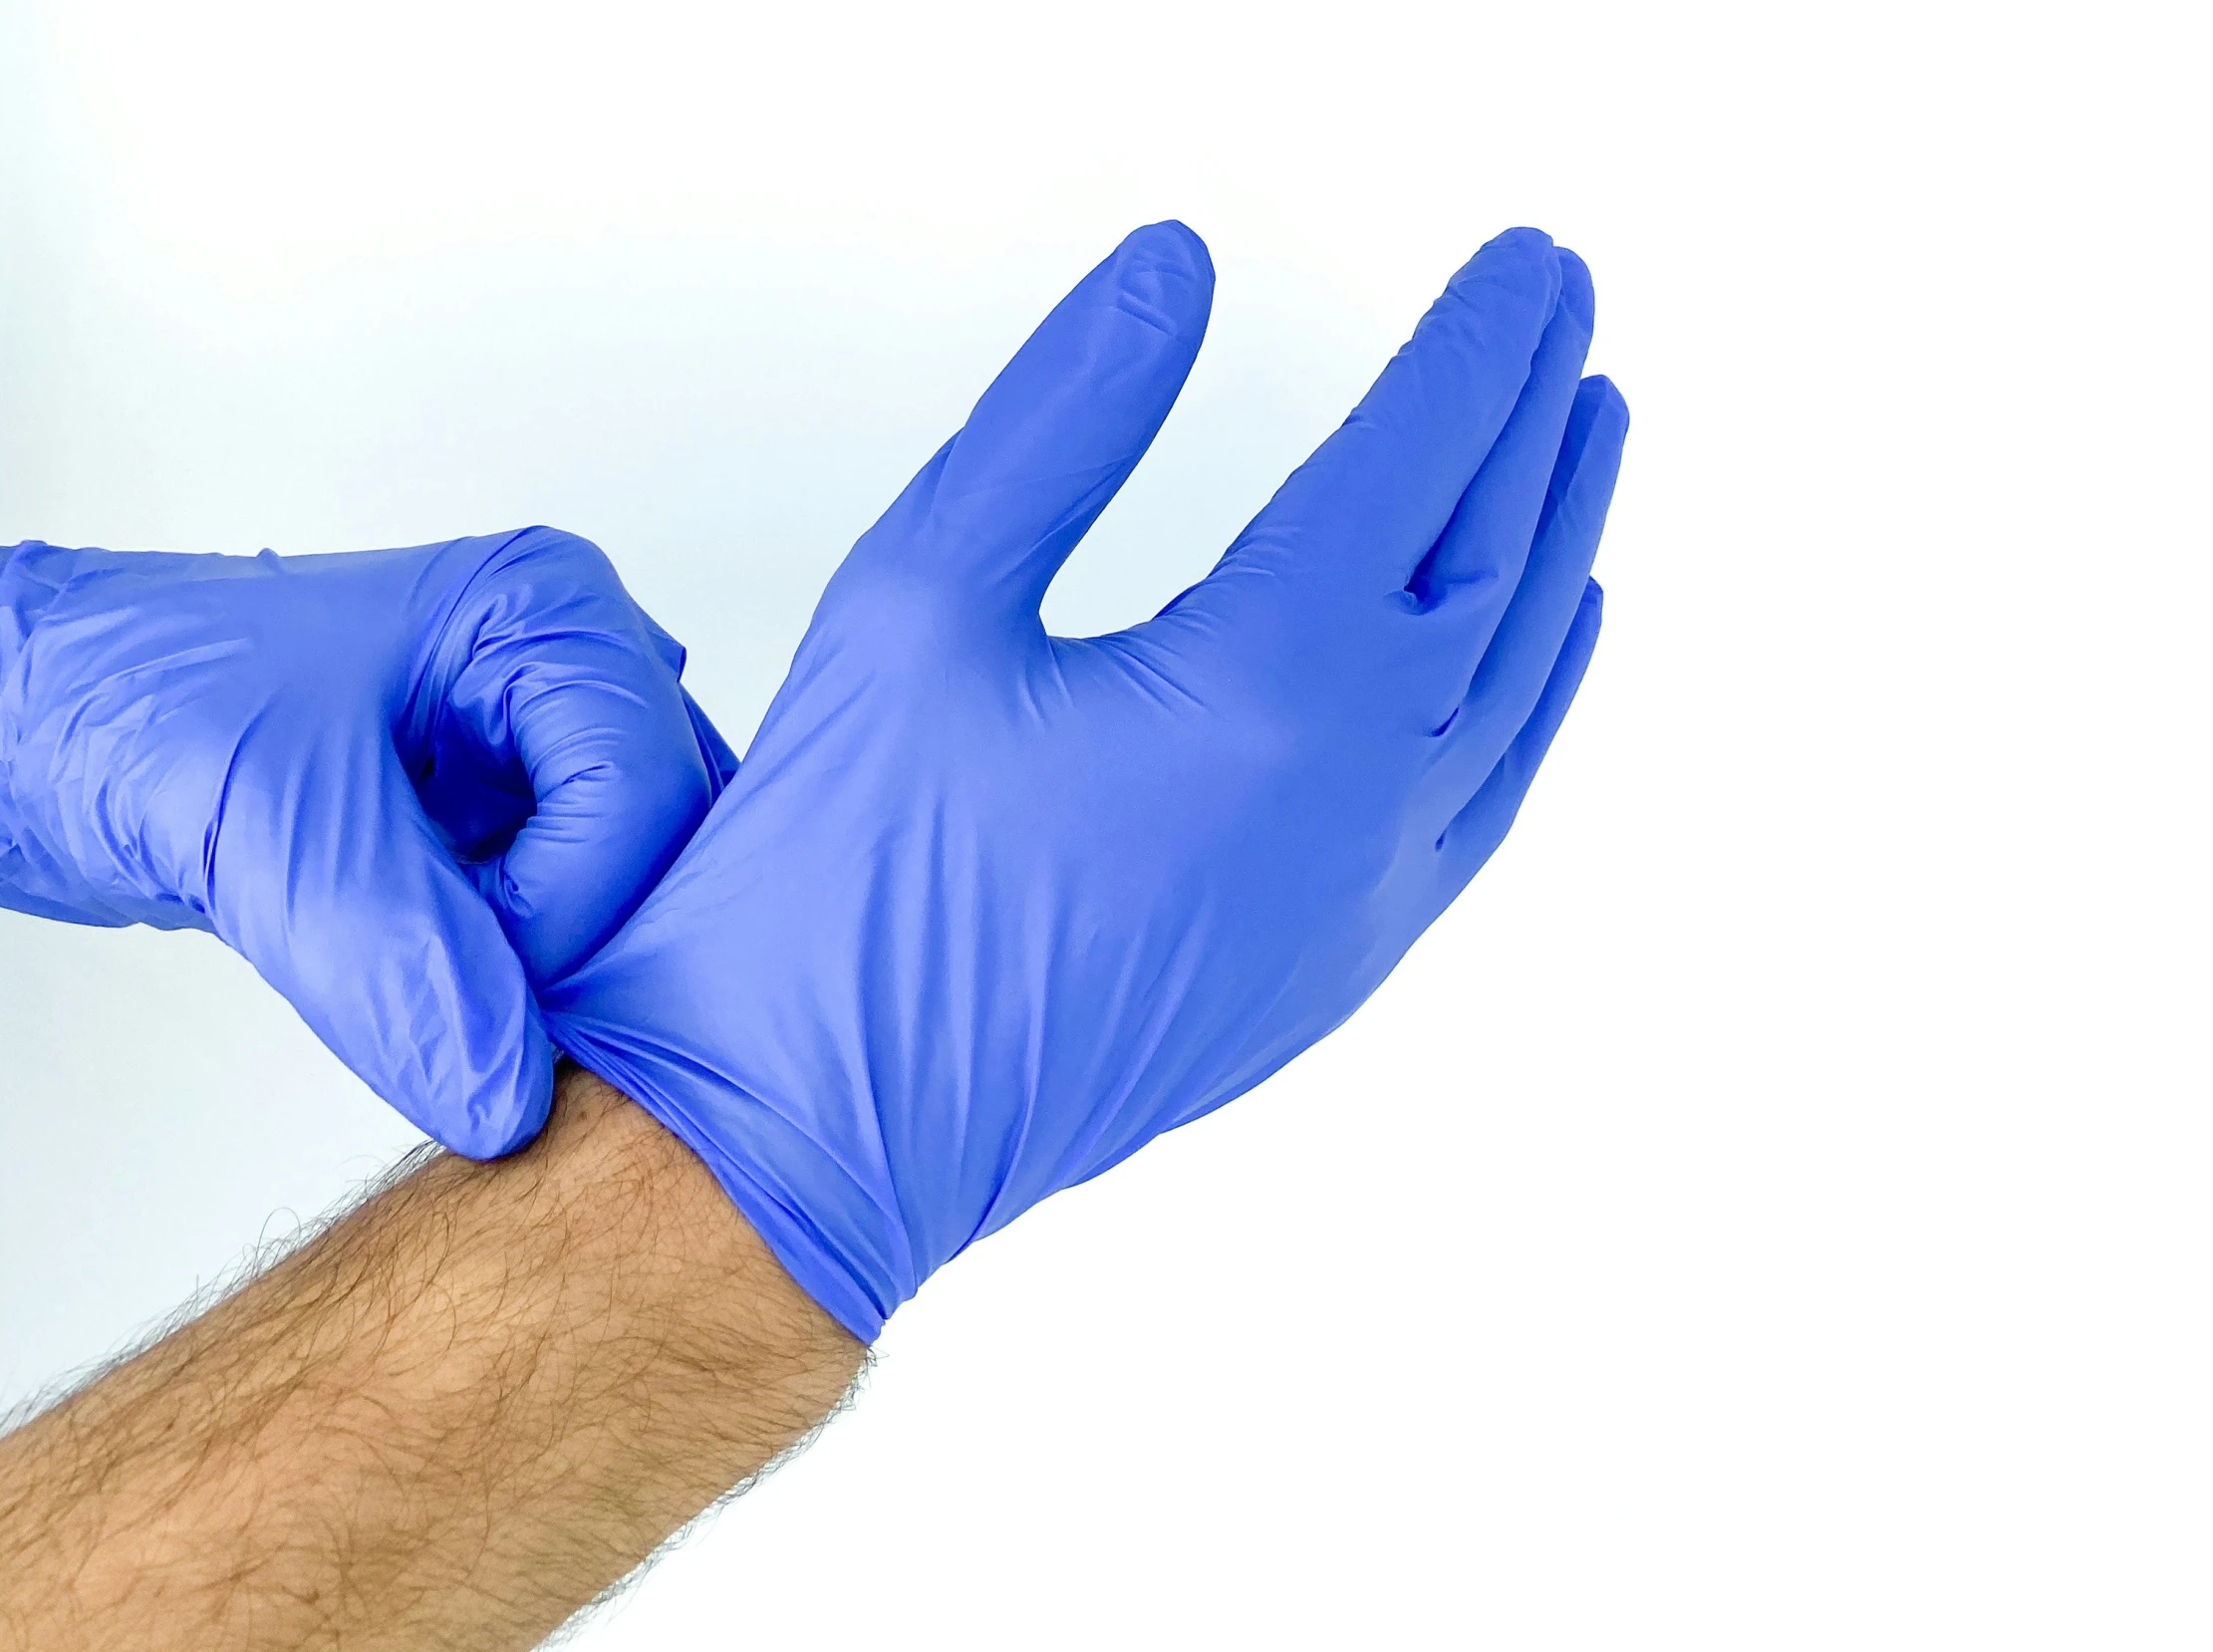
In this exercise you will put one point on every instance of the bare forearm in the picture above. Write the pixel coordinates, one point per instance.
(452, 1420)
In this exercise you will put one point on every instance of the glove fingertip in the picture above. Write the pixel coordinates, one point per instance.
(1172, 242)
(1578, 296)
(1522, 260)
(1161, 275)
(1598, 395)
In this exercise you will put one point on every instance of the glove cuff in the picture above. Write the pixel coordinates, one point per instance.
(848, 1276)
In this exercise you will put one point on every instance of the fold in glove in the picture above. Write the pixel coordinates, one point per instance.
(406, 784)
(986, 909)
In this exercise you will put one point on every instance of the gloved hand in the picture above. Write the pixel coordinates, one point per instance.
(988, 910)
(406, 784)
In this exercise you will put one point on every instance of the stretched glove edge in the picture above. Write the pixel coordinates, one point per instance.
(840, 1285)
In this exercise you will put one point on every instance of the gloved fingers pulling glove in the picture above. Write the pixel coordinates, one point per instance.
(410, 786)
(557, 746)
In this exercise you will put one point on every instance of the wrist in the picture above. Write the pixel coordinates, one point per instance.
(844, 1248)
(457, 1415)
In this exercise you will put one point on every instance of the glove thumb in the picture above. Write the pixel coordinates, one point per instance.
(1061, 428)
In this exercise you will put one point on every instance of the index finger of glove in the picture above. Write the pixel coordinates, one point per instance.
(1367, 506)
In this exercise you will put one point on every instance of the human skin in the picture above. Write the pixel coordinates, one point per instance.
(472, 1406)
(457, 1416)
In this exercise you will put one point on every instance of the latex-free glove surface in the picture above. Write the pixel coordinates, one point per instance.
(405, 785)
(986, 909)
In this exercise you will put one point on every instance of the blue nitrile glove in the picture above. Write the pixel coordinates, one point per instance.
(381, 776)
(986, 909)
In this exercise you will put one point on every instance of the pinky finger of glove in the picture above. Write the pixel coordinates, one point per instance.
(1481, 825)
(335, 886)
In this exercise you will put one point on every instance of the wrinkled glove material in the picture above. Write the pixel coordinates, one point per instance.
(986, 909)
(405, 785)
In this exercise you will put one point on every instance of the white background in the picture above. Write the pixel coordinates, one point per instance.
(1775, 1206)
